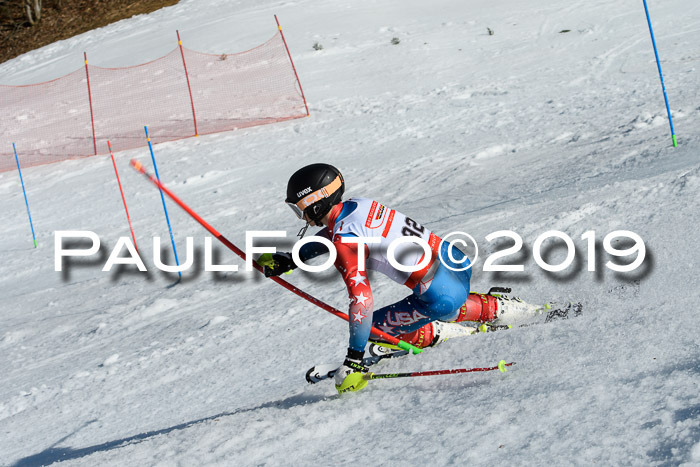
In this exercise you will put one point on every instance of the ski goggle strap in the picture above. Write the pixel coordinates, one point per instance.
(317, 195)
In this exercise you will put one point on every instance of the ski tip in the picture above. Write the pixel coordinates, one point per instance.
(309, 378)
(502, 366)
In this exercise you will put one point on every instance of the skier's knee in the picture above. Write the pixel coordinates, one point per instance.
(447, 304)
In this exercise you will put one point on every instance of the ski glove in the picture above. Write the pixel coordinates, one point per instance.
(276, 264)
(349, 377)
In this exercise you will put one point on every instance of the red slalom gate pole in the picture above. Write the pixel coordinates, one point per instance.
(189, 88)
(501, 366)
(92, 116)
(122, 193)
(387, 337)
(293, 67)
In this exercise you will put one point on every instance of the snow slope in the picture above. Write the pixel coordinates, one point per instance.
(529, 129)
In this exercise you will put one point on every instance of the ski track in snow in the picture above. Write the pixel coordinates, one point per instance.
(529, 129)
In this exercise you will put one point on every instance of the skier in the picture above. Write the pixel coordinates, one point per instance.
(439, 296)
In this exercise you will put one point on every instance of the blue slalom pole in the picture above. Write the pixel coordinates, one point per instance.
(162, 198)
(658, 64)
(25, 194)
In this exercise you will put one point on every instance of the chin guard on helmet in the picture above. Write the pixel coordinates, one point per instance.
(316, 211)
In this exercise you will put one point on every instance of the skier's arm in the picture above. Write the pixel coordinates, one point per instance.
(313, 249)
(281, 263)
(360, 294)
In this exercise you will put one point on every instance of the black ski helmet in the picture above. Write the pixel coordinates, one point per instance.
(313, 190)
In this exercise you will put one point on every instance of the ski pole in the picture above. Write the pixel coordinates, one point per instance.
(501, 366)
(389, 338)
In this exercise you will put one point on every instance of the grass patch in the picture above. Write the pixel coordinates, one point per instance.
(61, 19)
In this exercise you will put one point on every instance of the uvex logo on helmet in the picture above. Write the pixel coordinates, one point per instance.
(303, 192)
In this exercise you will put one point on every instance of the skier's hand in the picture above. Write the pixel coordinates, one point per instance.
(276, 264)
(349, 377)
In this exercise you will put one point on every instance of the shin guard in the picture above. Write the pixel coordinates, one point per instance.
(421, 337)
(479, 307)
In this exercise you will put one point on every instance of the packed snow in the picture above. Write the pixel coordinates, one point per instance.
(485, 116)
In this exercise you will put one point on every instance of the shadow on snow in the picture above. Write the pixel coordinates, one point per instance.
(58, 454)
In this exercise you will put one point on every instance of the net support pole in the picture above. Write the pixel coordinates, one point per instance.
(189, 87)
(26, 203)
(661, 75)
(293, 67)
(92, 116)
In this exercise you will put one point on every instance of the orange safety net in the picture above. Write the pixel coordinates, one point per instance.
(51, 121)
